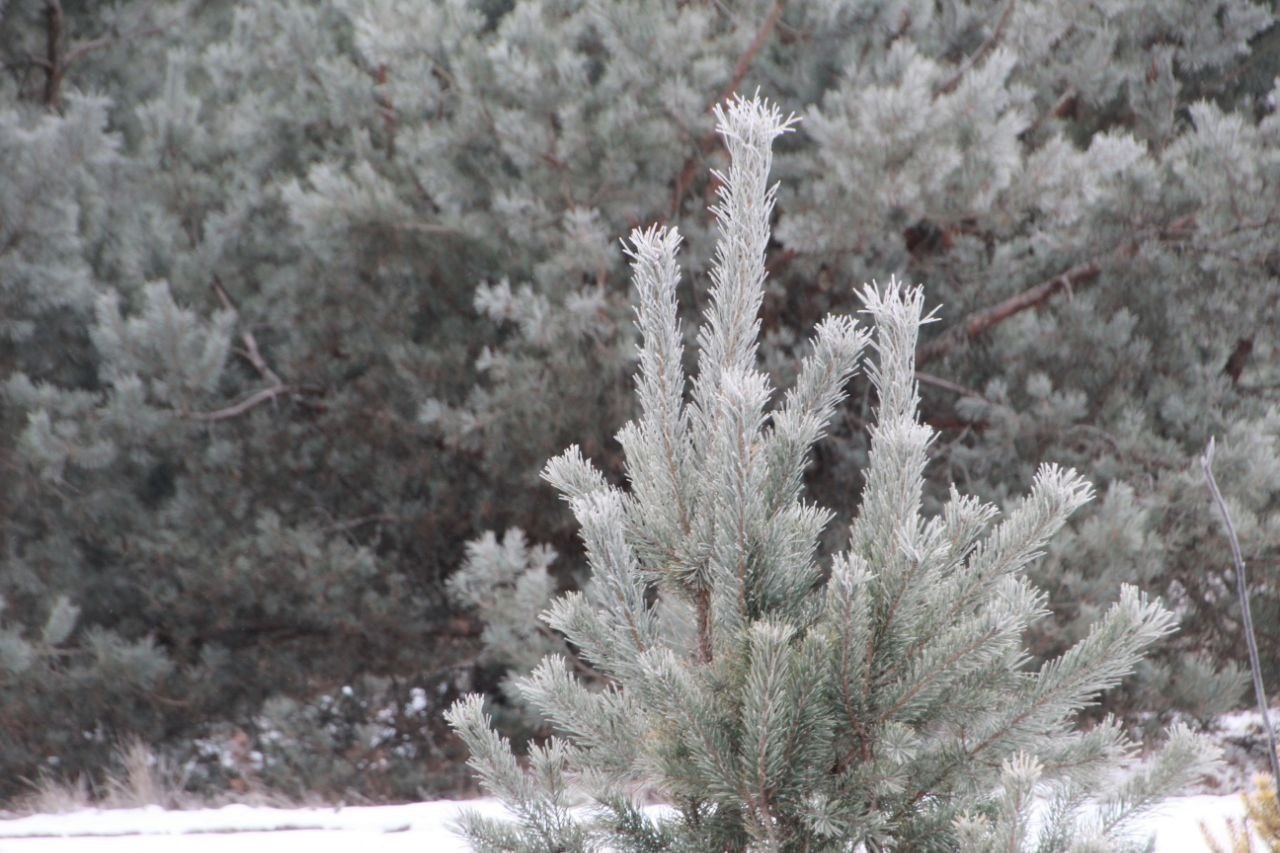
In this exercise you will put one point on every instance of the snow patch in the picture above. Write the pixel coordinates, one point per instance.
(397, 829)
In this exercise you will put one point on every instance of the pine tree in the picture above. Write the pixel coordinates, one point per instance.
(774, 702)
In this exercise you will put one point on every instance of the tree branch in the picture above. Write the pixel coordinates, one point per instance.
(708, 141)
(1061, 109)
(749, 55)
(706, 648)
(375, 518)
(80, 51)
(426, 227)
(1239, 358)
(56, 64)
(251, 351)
(235, 410)
(53, 67)
(948, 385)
(83, 49)
(953, 82)
(981, 321)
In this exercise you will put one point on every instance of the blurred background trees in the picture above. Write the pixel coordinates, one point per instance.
(297, 297)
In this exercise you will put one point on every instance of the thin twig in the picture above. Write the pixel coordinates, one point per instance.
(235, 410)
(749, 55)
(425, 227)
(1060, 109)
(375, 518)
(948, 385)
(953, 82)
(708, 141)
(53, 54)
(1242, 590)
(252, 353)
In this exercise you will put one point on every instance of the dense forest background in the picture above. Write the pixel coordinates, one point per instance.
(297, 297)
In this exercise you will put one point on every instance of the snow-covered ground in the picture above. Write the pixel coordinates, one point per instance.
(419, 827)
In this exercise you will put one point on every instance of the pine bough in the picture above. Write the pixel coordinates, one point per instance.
(879, 700)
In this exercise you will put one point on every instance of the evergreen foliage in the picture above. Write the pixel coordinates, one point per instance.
(777, 703)
(296, 297)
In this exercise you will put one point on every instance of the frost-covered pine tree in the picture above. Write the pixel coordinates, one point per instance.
(775, 701)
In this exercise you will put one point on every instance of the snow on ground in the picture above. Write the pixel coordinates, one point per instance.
(418, 827)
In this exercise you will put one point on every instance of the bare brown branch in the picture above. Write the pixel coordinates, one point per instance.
(1062, 108)
(748, 56)
(981, 53)
(53, 67)
(1239, 358)
(83, 49)
(425, 227)
(948, 385)
(980, 322)
(235, 410)
(690, 168)
(56, 63)
(361, 521)
(251, 351)
(706, 650)
(386, 107)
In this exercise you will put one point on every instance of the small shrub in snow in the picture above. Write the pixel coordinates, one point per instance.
(779, 701)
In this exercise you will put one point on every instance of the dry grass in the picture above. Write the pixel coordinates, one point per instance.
(1259, 830)
(55, 796)
(139, 778)
(144, 779)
